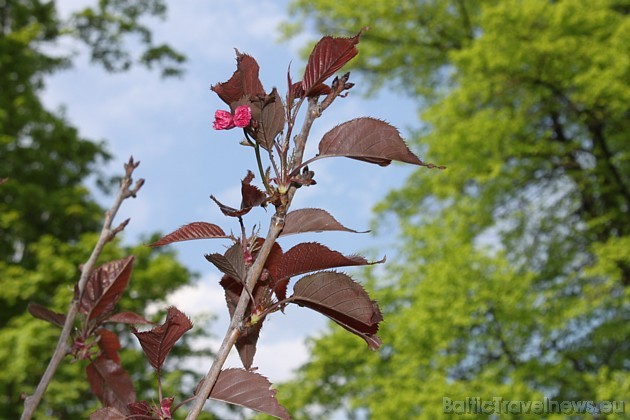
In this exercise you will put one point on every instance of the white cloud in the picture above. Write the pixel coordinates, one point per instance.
(205, 296)
(277, 360)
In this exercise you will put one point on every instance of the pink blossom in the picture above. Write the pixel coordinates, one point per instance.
(222, 120)
(242, 116)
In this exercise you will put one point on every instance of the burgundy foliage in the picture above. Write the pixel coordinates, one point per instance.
(109, 344)
(105, 288)
(107, 413)
(251, 262)
(246, 342)
(110, 383)
(369, 140)
(311, 220)
(248, 389)
(343, 300)
(195, 230)
(251, 197)
(272, 119)
(159, 341)
(128, 318)
(329, 55)
(43, 313)
(243, 83)
(305, 258)
(232, 263)
(140, 408)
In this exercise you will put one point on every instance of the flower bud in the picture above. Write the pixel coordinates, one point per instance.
(222, 120)
(242, 116)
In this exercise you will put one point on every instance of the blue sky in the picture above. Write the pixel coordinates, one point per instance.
(167, 125)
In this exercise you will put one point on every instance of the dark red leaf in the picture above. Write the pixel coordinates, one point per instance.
(128, 317)
(232, 263)
(329, 55)
(107, 413)
(274, 260)
(272, 120)
(246, 343)
(296, 91)
(268, 118)
(233, 290)
(319, 90)
(230, 211)
(370, 140)
(109, 344)
(195, 230)
(140, 408)
(251, 195)
(291, 88)
(165, 407)
(243, 83)
(41, 312)
(249, 390)
(311, 220)
(341, 299)
(110, 383)
(305, 258)
(159, 341)
(105, 287)
(373, 341)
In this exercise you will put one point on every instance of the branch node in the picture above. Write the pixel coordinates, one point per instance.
(118, 229)
(338, 86)
(130, 166)
(136, 188)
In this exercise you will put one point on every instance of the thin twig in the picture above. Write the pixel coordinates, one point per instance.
(290, 123)
(107, 234)
(256, 147)
(312, 113)
(279, 174)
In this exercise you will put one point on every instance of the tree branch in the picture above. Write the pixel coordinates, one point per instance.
(107, 234)
(254, 272)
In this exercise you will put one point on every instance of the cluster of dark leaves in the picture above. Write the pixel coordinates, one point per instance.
(91, 340)
(108, 380)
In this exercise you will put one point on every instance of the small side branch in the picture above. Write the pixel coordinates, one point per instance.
(107, 234)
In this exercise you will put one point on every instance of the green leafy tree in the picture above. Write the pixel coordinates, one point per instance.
(513, 270)
(48, 219)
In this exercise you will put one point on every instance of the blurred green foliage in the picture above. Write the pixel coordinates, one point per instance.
(513, 271)
(49, 221)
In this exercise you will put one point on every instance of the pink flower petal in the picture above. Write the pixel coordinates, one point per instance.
(222, 120)
(242, 116)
